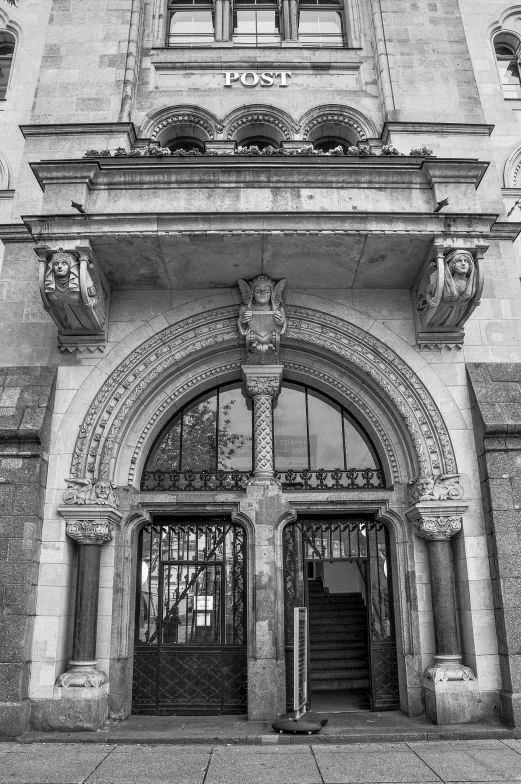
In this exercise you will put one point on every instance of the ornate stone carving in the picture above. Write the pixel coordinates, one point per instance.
(262, 319)
(444, 487)
(448, 290)
(263, 384)
(100, 430)
(437, 527)
(448, 668)
(75, 297)
(85, 491)
(82, 675)
(89, 531)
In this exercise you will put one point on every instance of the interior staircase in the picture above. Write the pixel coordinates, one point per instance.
(337, 640)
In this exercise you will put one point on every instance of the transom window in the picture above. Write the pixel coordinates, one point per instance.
(321, 23)
(190, 23)
(210, 440)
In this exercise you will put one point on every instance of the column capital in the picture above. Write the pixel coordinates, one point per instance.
(90, 524)
(436, 521)
(262, 379)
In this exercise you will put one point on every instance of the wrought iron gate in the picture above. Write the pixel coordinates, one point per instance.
(366, 543)
(190, 645)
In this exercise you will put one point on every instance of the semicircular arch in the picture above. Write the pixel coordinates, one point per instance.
(203, 348)
(169, 118)
(259, 114)
(337, 115)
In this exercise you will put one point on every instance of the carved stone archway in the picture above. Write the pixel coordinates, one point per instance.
(177, 347)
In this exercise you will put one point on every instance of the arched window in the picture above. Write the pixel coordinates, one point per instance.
(186, 143)
(210, 441)
(7, 43)
(507, 48)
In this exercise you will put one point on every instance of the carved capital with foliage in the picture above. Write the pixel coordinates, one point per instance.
(89, 531)
(89, 523)
(262, 380)
(437, 528)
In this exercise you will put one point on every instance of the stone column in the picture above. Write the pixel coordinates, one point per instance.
(218, 10)
(81, 693)
(450, 688)
(263, 385)
(227, 20)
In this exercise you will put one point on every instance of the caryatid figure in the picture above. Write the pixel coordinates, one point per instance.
(262, 319)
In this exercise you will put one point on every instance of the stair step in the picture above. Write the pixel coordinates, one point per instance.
(339, 664)
(340, 685)
(339, 674)
(339, 624)
(329, 654)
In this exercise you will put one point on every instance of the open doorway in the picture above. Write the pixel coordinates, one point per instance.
(340, 569)
(338, 651)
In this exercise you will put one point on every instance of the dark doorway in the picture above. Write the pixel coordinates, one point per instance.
(190, 647)
(341, 570)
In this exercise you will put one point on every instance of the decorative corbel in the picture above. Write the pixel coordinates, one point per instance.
(76, 295)
(446, 291)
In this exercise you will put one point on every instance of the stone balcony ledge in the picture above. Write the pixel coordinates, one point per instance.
(258, 184)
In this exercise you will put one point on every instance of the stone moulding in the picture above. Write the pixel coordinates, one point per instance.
(132, 381)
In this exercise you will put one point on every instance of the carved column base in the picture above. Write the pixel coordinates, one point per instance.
(82, 675)
(451, 695)
(448, 668)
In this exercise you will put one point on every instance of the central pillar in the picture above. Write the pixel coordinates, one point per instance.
(263, 386)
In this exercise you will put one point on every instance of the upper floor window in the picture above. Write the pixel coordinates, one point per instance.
(7, 43)
(317, 23)
(507, 48)
(256, 23)
(321, 23)
(190, 23)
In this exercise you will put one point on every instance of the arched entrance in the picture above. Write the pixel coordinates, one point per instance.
(339, 567)
(190, 632)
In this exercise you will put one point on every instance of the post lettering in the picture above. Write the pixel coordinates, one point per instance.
(283, 77)
(254, 76)
(229, 77)
(267, 79)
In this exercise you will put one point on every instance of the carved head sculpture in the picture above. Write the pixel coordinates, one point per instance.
(102, 489)
(460, 262)
(262, 290)
(63, 271)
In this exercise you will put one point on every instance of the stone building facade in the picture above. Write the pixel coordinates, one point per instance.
(260, 351)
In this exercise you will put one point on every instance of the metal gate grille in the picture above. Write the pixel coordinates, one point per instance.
(366, 543)
(190, 648)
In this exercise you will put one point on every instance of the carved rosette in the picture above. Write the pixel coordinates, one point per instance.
(446, 292)
(437, 527)
(263, 385)
(76, 295)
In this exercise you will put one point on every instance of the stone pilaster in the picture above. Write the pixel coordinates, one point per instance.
(450, 688)
(263, 385)
(81, 693)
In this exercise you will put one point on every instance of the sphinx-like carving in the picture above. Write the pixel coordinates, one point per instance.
(74, 296)
(446, 296)
(262, 319)
(445, 487)
(83, 491)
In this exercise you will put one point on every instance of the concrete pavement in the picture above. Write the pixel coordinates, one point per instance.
(368, 763)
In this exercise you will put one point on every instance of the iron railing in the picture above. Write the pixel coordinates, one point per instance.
(194, 481)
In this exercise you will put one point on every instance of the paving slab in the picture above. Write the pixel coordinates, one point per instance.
(157, 764)
(472, 764)
(345, 767)
(263, 766)
(513, 744)
(50, 765)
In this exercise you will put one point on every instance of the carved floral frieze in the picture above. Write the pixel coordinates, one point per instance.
(445, 294)
(76, 296)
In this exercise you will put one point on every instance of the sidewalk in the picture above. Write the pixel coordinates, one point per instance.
(369, 763)
(355, 727)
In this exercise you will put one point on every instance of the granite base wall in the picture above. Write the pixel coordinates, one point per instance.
(495, 391)
(26, 396)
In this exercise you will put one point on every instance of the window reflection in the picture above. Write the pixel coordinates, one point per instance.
(191, 28)
(7, 43)
(318, 27)
(256, 27)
